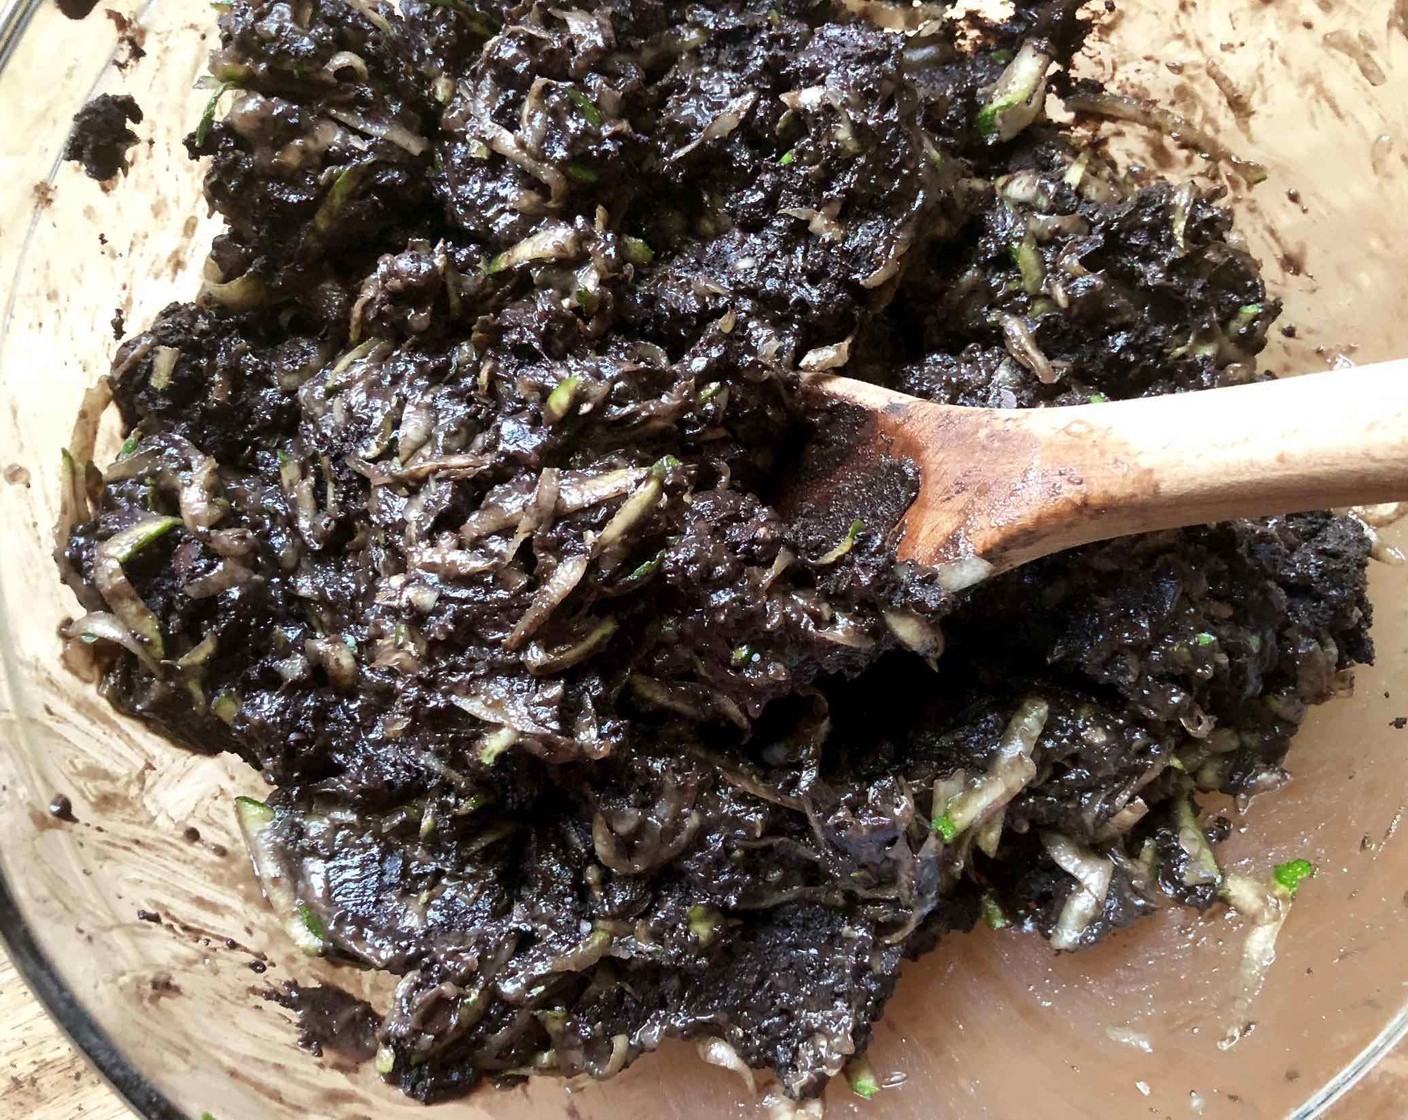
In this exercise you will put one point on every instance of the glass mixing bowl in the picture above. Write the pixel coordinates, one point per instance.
(992, 1024)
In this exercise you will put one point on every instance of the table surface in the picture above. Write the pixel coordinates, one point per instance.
(42, 1076)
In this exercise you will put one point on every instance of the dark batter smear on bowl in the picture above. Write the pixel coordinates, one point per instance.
(100, 138)
(448, 505)
(330, 1021)
(76, 9)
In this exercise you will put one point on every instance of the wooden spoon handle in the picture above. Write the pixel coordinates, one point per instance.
(1299, 443)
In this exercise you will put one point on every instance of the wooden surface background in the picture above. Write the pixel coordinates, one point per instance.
(42, 1077)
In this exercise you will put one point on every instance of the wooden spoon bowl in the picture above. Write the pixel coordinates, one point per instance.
(1000, 487)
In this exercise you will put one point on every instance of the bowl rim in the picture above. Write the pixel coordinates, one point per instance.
(14, 18)
(32, 964)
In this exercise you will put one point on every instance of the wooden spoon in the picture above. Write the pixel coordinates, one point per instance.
(1000, 487)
